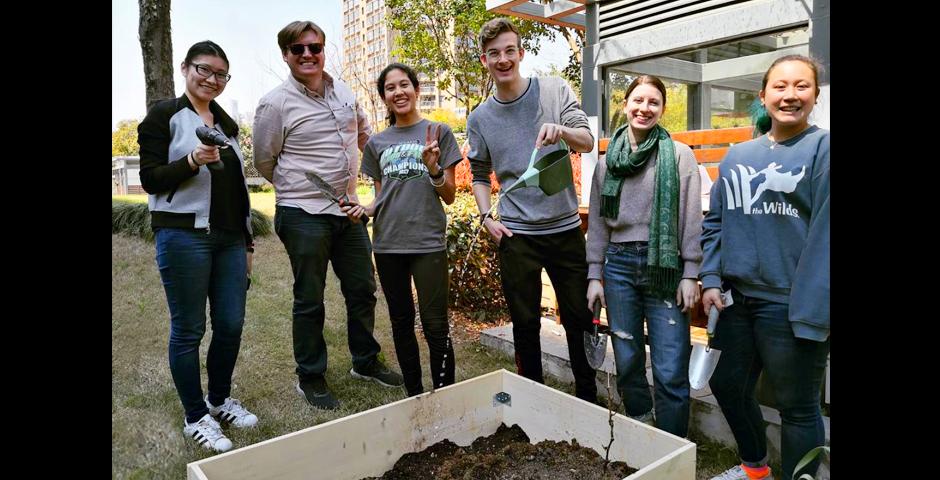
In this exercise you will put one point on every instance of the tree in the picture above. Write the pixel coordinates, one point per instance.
(457, 125)
(244, 141)
(439, 39)
(676, 116)
(554, 71)
(674, 119)
(572, 71)
(371, 96)
(157, 49)
(124, 139)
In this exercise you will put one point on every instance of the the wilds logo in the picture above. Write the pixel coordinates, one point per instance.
(740, 195)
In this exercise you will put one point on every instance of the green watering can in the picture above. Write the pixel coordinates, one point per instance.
(551, 173)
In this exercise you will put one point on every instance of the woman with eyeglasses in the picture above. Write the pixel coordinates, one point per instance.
(412, 162)
(200, 217)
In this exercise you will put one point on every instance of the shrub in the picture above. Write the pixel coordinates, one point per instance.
(365, 186)
(475, 283)
(260, 224)
(132, 218)
(264, 187)
(463, 177)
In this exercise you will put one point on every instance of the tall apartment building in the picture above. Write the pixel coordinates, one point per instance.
(367, 46)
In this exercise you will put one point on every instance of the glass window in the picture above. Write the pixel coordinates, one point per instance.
(675, 119)
(730, 107)
(711, 87)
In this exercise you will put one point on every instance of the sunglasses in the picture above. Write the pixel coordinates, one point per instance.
(206, 71)
(298, 48)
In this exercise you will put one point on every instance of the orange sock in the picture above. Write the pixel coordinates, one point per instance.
(756, 473)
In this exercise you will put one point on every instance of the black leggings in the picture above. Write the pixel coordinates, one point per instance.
(429, 271)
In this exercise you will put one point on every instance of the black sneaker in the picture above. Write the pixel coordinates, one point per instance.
(317, 394)
(379, 373)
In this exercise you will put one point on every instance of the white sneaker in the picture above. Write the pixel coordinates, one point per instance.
(207, 433)
(232, 412)
(738, 473)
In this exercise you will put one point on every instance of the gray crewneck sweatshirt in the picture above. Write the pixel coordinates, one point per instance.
(636, 201)
(502, 135)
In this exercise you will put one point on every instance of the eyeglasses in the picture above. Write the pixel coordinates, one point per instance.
(298, 48)
(206, 71)
(494, 54)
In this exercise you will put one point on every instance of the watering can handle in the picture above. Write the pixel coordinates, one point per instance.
(535, 151)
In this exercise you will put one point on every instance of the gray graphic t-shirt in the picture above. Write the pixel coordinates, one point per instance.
(409, 217)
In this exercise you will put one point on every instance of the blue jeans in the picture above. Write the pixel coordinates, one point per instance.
(195, 265)
(754, 335)
(312, 241)
(628, 305)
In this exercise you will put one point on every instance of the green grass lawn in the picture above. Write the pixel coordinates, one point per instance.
(130, 198)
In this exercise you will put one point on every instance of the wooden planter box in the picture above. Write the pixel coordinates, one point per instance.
(369, 443)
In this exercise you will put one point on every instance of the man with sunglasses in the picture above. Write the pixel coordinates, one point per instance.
(312, 123)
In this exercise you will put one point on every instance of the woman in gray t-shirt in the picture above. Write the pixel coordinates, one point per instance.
(412, 162)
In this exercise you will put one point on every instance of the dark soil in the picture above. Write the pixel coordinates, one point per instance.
(506, 455)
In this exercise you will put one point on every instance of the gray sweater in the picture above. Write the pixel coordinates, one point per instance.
(501, 138)
(636, 201)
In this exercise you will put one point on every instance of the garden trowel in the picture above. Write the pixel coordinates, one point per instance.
(329, 192)
(704, 358)
(595, 343)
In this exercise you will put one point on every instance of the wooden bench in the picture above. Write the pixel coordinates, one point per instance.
(709, 146)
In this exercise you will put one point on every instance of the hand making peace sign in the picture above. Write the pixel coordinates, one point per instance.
(432, 151)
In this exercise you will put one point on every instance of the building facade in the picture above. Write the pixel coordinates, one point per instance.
(367, 45)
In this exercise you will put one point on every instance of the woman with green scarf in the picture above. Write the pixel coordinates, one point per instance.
(644, 255)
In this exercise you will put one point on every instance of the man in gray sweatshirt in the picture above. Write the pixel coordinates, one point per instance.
(535, 231)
